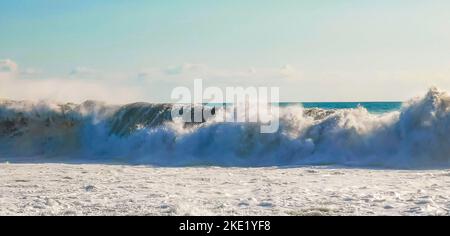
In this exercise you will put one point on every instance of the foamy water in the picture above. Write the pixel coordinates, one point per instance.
(414, 136)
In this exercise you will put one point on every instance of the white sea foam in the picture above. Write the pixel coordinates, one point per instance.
(416, 136)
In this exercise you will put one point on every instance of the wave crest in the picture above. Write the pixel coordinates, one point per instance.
(416, 136)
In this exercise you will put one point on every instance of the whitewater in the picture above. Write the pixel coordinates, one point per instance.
(415, 136)
(99, 159)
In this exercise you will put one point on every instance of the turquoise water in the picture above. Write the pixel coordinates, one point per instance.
(373, 107)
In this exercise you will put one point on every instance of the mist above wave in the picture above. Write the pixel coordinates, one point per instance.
(416, 136)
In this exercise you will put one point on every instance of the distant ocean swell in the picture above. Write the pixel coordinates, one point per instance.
(417, 135)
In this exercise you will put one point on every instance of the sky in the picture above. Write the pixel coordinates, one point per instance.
(124, 51)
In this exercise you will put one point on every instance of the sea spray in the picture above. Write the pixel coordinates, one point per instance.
(416, 136)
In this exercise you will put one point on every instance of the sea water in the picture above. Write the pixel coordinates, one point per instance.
(415, 133)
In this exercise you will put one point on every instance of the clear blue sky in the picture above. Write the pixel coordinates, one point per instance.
(324, 50)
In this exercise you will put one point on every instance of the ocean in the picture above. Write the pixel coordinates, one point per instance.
(373, 107)
(415, 134)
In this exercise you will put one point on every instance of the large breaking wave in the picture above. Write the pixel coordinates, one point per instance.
(416, 136)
